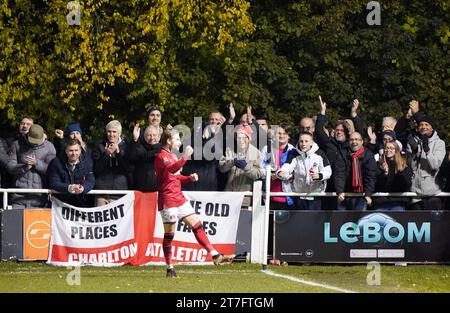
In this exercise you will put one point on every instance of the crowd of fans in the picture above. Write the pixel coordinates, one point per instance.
(405, 155)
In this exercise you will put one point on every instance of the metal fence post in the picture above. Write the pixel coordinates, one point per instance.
(257, 224)
(266, 216)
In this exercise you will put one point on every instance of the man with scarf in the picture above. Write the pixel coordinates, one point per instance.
(356, 172)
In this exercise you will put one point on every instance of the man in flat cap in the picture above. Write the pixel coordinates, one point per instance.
(27, 163)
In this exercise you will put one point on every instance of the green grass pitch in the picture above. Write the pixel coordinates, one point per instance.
(234, 278)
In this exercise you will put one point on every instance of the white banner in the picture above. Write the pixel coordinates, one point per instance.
(219, 212)
(96, 227)
(130, 230)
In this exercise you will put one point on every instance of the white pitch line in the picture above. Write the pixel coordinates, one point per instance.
(307, 282)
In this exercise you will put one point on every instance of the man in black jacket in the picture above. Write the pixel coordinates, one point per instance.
(334, 145)
(205, 158)
(71, 175)
(355, 173)
(111, 167)
(142, 155)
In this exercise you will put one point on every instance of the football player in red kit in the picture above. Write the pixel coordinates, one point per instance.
(172, 203)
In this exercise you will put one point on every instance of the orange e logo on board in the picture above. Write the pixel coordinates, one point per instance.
(37, 231)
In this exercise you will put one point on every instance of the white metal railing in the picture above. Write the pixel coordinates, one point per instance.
(260, 213)
(355, 194)
(262, 258)
(49, 191)
(7, 191)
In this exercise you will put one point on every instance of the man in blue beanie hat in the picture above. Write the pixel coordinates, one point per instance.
(73, 131)
(73, 127)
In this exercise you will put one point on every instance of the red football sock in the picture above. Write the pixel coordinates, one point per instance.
(167, 247)
(201, 237)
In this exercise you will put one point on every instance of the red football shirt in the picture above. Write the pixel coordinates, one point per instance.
(168, 178)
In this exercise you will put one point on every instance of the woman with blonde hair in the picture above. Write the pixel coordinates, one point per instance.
(393, 175)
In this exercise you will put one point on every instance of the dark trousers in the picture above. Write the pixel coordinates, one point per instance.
(308, 205)
(353, 204)
(431, 203)
(275, 205)
(329, 203)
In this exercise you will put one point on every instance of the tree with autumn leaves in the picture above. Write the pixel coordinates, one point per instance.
(191, 57)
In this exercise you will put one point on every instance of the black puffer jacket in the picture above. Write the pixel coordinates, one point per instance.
(209, 177)
(393, 182)
(343, 173)
(112, 173)
(333, 149)
(142, 156)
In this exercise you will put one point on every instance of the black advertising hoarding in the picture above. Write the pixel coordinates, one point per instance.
(362, 236)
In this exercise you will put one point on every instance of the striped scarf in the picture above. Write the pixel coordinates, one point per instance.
(357, 183)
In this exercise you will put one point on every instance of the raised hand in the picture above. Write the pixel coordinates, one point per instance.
(194, 177)
(221, 120)
(232, 112)
(188, 152)
(59, 133)
(323, 106)
(355, 106)
(136, 132)
(250, 116)
(409, 114)
(372, 135)
(414, 106)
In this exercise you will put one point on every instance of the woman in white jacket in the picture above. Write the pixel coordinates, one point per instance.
(307, 172)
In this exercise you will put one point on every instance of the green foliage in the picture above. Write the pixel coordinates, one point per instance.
(336, 54)
(191, 57)
(124, 57)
